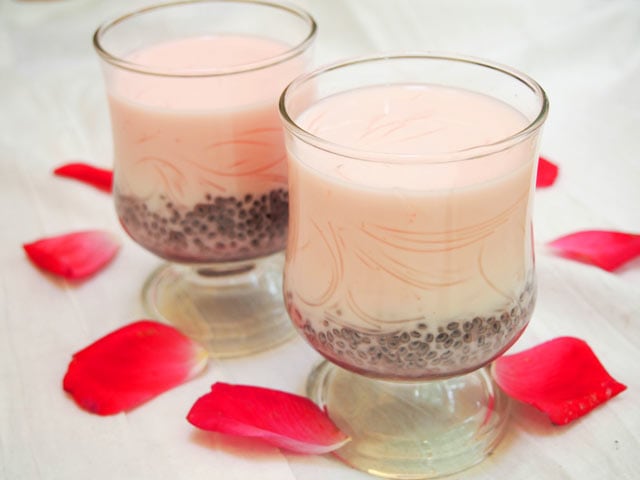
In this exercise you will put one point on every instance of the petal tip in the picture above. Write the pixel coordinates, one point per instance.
(605, 249)
(561, 377)
(284, 420)
(100, 178)
(74, 256)
(547, 173)
(130, 366)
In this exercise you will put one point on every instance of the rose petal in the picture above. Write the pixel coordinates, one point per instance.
(561, 377)
(100, 178)
(130, 366)
(282, 419)
(605, 249)
(547, 173)
(74, 256)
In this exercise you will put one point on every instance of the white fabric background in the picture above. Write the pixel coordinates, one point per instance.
(585, 53)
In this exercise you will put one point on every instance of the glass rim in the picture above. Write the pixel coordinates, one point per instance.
(468, 153)
(205, 72)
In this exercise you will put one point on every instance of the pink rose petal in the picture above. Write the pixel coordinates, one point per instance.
(131, 365)
(100, 178)
(289, 421)
(74, 256)
(561, 377)
(547, 173)
(605, 249)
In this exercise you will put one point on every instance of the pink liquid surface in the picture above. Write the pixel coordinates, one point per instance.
(181, 144)
(395, 247)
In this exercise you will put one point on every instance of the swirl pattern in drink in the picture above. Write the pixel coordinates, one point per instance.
(410, 269)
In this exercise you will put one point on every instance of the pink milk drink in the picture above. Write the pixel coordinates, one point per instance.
(200, 174)
(200, 168)
(409, 262)
(410, 250)
(432, 264)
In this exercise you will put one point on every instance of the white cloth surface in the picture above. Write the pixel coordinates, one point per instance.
(585, 53)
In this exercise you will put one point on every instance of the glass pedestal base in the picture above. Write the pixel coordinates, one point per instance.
(412, 430)
(231, 309)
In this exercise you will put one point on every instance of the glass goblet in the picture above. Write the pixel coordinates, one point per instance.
(200, 175)
(409, 263)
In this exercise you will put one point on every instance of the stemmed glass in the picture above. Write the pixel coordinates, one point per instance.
(200, 176)
(410, 261)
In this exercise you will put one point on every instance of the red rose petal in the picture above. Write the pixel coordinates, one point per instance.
(74, 255)
(605, 249)
(130, 366)
(285, 420)
(100, 178)
(561, 377)
(547, 173)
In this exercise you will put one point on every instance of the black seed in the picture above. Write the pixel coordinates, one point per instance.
(459, 345)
